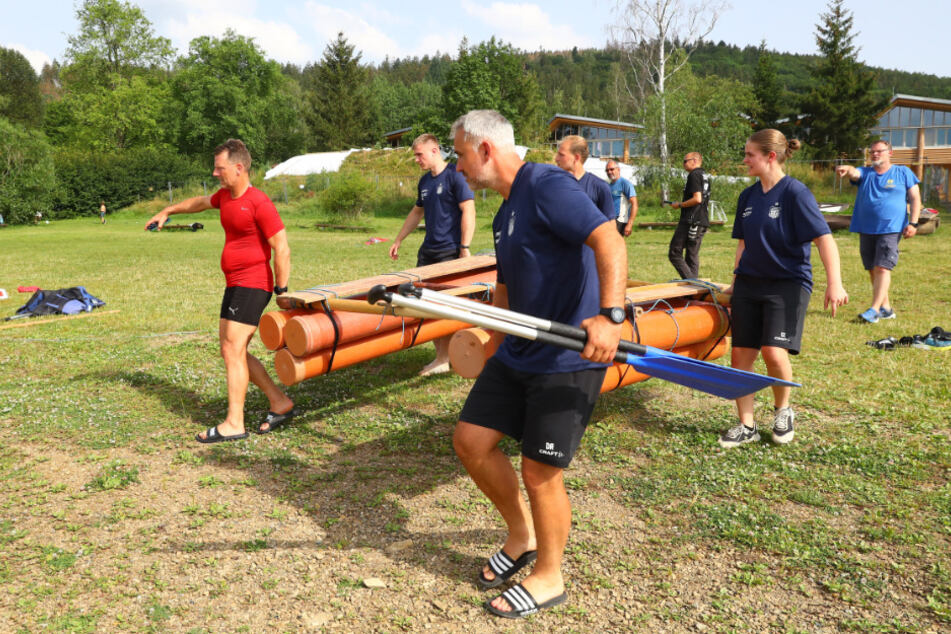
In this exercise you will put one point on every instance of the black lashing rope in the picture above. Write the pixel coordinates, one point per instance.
(333, 320)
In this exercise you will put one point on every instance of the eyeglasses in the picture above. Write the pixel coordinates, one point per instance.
(882, 151)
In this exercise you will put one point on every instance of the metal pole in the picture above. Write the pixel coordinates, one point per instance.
(170, 192)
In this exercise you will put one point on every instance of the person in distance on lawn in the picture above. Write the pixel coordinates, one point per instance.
(560, 259)
(684, 249)
(447, 204)
(777, 220)
(253, 229)
(625, 198)
(881, 219)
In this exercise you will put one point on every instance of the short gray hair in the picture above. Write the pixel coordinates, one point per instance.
(479, 125)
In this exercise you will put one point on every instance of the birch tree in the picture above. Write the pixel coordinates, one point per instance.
(650, 33)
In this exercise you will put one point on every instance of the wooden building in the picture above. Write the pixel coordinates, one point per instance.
(606, 139)
(919, 129)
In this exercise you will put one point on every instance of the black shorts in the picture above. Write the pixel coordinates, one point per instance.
(547, 413)
(244, 305)
(768, 313)
(621, 226)
(879, 250)
(427, 256)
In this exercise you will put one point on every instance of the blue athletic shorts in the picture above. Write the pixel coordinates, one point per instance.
(879, 249)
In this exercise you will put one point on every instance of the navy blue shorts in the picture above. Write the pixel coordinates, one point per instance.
(425, 256)
(768, 312)
(547, 413)
(244, 305)
(879, 250)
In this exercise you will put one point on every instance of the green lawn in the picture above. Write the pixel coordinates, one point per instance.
(114, 519)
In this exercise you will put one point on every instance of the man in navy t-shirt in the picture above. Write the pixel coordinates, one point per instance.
(571, 155)
(559, 258)
(445, 201)
(881, 219)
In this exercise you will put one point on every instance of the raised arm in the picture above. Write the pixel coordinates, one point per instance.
(187, 206)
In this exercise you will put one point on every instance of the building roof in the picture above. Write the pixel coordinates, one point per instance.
(914, 100)
(558, 119)
(395, 134)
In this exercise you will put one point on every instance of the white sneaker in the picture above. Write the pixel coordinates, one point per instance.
(783, 425)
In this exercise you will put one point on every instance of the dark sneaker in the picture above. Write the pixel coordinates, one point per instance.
(869, 316)
(783, 425)
(738, 435)
(887, 313)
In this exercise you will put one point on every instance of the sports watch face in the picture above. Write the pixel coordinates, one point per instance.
(615, 314)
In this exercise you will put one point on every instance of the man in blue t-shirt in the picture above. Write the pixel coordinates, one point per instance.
(881, 219)
(625, 198)
(445, 201)
(571, 155)
(559, 259)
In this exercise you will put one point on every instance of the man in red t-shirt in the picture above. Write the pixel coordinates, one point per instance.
(253, 229)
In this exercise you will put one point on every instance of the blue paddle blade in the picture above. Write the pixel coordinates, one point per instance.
(701, 375)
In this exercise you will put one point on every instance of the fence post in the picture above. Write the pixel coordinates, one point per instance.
(204, 190)
(284, 183)
(170, 192)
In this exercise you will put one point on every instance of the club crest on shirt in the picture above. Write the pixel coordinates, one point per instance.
(774, 210)
(747, 212)
(439, 189)
(511, 222)
(889, 184)
(423, 194)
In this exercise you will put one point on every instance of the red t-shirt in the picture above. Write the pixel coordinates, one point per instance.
(248, 222)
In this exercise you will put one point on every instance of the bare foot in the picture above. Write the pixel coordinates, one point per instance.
(225, 428)
(436, 367)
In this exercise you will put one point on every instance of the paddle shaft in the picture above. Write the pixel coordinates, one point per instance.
(473, 317)
(542, 326)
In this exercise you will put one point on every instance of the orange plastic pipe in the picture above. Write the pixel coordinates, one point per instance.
(271, 328)
(683, 327)
(621, 374)
(291, 369)
(306, 334)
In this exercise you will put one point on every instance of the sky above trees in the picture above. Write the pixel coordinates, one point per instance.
(297, 32)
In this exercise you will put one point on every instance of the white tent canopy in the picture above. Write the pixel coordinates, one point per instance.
(309, 164)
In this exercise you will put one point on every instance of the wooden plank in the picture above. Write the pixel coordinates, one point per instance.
(355, 288)
(35, 322)
(669, 290)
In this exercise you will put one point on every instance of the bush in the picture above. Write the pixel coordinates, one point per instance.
(88, 177)
(27, 173)
(347, 196)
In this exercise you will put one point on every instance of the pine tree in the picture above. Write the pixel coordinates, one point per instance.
(20, 98)
(767, 91)
(842, 106)
(337, 92)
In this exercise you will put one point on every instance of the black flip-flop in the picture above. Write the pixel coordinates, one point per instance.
(212, 435)
(523, 603)
(273, 420)
(504, 567)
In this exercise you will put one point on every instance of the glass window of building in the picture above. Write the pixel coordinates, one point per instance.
(911, 138)
(931, 137)
(928, 118)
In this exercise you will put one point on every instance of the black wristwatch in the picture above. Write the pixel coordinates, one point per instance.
(280, 290)
(914, 224)
(614, 313)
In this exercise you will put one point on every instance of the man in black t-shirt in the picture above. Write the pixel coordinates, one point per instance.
(684, 252)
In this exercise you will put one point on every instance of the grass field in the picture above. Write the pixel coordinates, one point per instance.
(114, 519)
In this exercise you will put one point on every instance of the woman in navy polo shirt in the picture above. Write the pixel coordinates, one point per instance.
(776, 220)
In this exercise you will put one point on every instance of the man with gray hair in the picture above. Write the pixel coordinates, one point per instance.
(625, 198)
(559, 259)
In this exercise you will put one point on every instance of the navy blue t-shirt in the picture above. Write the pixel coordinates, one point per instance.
(542, 260)
(778, 228)
(600, 192)
(439, 196)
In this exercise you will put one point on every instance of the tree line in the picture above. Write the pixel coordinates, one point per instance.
(123, 112)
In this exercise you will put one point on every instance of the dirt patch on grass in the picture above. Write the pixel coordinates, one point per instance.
(242, 538)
